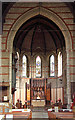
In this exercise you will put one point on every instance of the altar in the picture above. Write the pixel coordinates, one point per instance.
(38, 92)
(38, 103)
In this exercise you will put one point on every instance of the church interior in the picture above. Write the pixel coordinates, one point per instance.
(37, 59)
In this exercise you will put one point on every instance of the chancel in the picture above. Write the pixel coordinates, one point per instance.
(37, 57)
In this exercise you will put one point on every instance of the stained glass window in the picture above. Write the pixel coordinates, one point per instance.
(59, 64)
(38, 66)
(24, 66)
(52, 65)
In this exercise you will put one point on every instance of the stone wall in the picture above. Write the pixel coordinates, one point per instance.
(16, 16)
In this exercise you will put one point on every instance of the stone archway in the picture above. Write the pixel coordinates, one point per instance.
(48, 14)
(59, 22)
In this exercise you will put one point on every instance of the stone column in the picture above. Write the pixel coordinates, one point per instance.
(68, 80)
(72, 74)
(56, 74)
(64, 79)
(31, 67)
(45, 69)
(10, 80)
(0, 18)
(20, 77)
(1, 46)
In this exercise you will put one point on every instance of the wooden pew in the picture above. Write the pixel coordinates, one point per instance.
(20, 114)
(61, 115)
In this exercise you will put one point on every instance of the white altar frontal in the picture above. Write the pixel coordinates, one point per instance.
(38, 103)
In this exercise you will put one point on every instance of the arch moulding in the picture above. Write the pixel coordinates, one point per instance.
(46, 13)
(57, 20)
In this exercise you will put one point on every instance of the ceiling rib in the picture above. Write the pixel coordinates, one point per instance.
(33, 37)
(51, 28)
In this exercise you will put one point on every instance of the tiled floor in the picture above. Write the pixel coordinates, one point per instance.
(39, 113)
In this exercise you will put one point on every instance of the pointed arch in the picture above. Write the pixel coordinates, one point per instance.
(44, 12)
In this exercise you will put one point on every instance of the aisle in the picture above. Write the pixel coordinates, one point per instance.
(39, 113)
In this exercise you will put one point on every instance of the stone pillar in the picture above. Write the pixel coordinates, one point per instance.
(30, 70)
(31, 67)
(10, 80)
(64, 79)
(20, 77)
(0, 18)
(56, 74)
(68, 80)
(1, 47)
(45, 69)
(72, 74)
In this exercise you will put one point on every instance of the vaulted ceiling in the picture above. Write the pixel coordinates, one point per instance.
(38, 33)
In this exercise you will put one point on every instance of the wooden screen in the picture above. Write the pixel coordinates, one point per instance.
(28, 93)
(38, 88)
(48, 93)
